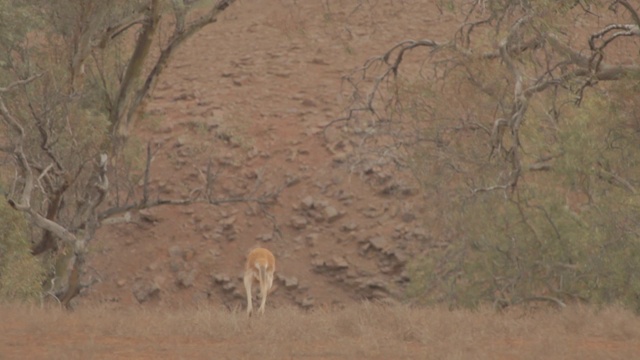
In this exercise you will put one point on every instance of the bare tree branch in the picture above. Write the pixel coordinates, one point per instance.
(630, 9)
(59, 185)
(135, 66)
(550, 299)
(180, 34)
(20, 83)
(114, 30)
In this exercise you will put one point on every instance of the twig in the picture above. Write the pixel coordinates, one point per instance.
(20, 82)
(550, 299)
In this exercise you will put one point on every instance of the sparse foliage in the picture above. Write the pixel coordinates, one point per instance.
(521, 129)
(74, 74)
(21, 274)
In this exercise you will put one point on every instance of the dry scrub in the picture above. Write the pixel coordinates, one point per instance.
(360, 331)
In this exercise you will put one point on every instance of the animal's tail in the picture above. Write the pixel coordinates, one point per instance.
(262, 268)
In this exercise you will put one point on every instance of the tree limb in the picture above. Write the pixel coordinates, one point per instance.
(135, 67)
(630, 9)
(180, 34)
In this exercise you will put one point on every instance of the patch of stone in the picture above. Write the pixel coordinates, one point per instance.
(186, 278)
(144, 291)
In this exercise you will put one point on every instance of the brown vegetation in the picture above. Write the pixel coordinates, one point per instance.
(364, 331)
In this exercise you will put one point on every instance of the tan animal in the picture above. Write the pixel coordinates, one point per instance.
(261, 264)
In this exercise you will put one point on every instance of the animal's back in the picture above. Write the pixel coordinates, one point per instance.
(263, 257)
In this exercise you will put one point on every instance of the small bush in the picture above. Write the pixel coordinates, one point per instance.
(21, 274)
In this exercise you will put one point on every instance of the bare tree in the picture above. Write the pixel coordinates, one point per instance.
(512, 68)
(532, 59)
(75, 81)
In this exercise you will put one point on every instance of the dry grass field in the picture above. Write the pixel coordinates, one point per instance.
(364, 331)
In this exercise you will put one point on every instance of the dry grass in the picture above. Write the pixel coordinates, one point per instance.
(360, 331)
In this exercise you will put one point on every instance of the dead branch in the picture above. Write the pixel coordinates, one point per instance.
(550, 299)
(467, 28)
(113, 31)
(147, 168)
(539, 167)
(89, 23)
(20, 83)
(391, 60)
(490, 188)
(630, 9)
(135, 66)
(196, 196)
(625, 30)
(180, 34)
(617, 179)
(497, 133)
(265, 199)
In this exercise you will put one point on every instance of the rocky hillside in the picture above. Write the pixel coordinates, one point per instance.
(245, 105)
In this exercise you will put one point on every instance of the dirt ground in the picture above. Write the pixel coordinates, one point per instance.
(250, 95)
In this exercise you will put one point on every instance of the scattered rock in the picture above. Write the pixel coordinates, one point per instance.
(176, 251)
(180, 141)
(221, 278)
(400, 256)
(338, 262)
(312, 239)
(299, 222)
(379, 242)
(306, 302)
(309, 103)
(343, 196)
(147, 215)
(408, 217)
(316, 214)
(318, 61)
(188, 254)
(265, 237)
(332, 214)
(421, 234)
(317, 263)
(239, 293)
(307, 203)
(291, 180)
(351, 273)
(250, 174)
(290, 282)
(227, 228)
(350, 227)
(184, 96)
(176, 264)
(375, 283)
(146, 291)
(186, 278)
(230, 286)
(372, 211)
(340, 158)
(227, 223)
